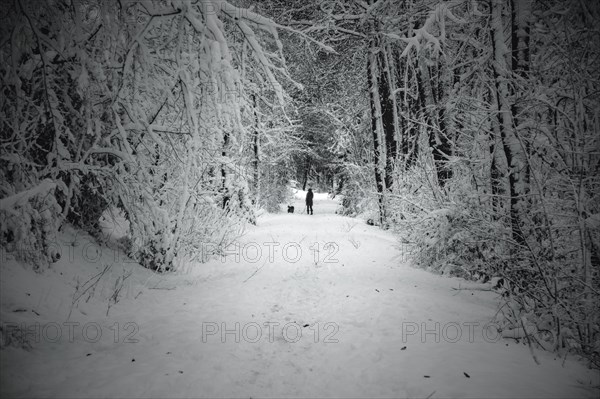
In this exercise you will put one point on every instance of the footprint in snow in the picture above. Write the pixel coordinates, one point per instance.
(276, 308)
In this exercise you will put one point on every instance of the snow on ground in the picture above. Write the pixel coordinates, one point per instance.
(310, 306)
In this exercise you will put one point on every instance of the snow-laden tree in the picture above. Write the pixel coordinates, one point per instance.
(518, 205)
(144, 106)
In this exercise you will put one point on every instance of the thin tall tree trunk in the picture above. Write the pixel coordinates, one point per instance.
(306, 170)
(410, 143)
(513, 150)
(388, 117)
(255, 148)
(438, 135)
(496, 175)
(224, 185)
(520, 60)
(375, 106)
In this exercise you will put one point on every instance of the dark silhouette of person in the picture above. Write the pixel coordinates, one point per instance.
(309, 201)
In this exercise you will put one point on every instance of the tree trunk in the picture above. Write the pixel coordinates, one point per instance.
(496, 177)
(520, 36)
(520, 59)
(438, 135)
(388, 117)
(410, 130)
(256, 159)
(306, 170)
(375, 106)
(513, 150)
(224, 185)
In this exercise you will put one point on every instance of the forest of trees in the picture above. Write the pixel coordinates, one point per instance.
(469, 128)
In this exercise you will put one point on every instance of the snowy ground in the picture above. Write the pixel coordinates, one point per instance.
(305, 306)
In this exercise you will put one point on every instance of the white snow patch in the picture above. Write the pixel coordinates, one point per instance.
(333, 310)
(114, 224)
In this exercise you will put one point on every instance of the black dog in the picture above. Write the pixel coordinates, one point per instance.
(290, 209)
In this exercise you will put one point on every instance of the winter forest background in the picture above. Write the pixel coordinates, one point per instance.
(469, 128)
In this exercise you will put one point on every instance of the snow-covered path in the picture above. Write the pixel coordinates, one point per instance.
(308, 306)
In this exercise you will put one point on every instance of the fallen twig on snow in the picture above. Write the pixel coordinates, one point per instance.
(484, 288)
(87, 286)
(256, 271)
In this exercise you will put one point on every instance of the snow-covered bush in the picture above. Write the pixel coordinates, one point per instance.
(545, 300)
(87, 205)
(275, 189)
(357, 199)
(455, 237)
(29, 221)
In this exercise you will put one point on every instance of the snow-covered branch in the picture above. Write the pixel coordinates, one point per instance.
(15, 200)
(424, 35)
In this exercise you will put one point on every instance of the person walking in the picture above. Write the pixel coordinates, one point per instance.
(309, 201)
